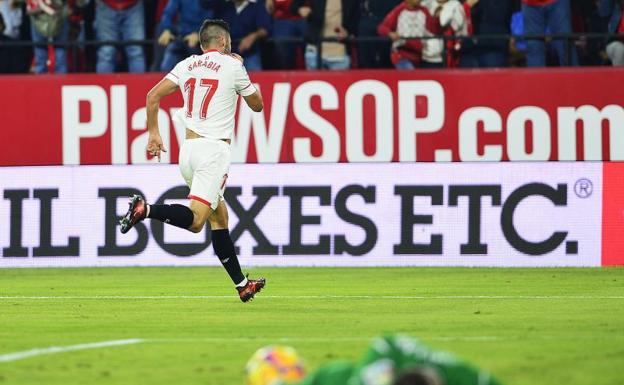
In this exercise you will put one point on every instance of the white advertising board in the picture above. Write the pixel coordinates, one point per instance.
(385, 214)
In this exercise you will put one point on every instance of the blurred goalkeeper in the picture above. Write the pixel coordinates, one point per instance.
(210, 84)
(390, 360)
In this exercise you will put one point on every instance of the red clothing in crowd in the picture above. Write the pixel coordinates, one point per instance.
(120, 5)
(454, 46)
(621, 27)
(538, 2)
(408, 22)
(35, 6)
(282, 10)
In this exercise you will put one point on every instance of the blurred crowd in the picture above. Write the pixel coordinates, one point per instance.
(153, 35)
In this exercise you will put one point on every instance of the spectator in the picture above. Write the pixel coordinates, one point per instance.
(120, 20)
(373, 54)
(288, 25)
(453, 19)
(12, 15)
(77, 36)
(153, 17)
(181, 40)
(406, 20)
(13, 59)
(250, 23)
(517, 47)
(585, 20)
(614, 10)
(554, 15)
(49, 24)
(489, 17)
(328, 19)
(6, 65)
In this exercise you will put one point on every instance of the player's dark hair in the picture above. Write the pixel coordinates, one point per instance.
(211, 30)
(418, 376)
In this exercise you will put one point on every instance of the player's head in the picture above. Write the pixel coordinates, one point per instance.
(215, 34)
(274, 365)
(418, 375)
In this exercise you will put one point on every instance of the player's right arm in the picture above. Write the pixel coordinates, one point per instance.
(163, 88)
(254, 101)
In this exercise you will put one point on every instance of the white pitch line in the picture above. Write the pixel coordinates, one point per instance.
(449, 297)
(62, 349)
(16, 356)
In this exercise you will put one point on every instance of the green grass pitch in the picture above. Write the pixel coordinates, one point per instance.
(528, 326)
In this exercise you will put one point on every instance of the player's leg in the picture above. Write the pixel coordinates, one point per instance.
(192, 218)
(223, 245)
(224, 249)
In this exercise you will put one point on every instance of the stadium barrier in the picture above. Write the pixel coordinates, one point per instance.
(570, 41)
(524, 214)
(310, 117)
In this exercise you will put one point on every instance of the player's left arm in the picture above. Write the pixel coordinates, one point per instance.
(163, 88)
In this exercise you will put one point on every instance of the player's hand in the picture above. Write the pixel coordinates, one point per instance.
(246, 43)
(270, 6)
(472, 3)
(165, 37)
(394, 36)
(155, 145)
(192, 39)
(305, 12)
(237, 57)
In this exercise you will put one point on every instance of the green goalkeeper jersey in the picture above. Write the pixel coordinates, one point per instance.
(388, 356)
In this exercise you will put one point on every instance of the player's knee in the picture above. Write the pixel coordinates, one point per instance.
(197, 226)
(218, 223)
(198, 223)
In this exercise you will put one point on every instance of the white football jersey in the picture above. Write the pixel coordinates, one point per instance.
(210, 84)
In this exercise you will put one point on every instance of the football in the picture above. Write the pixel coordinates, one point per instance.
(273, 365)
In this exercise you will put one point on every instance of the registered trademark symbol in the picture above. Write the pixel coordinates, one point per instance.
(583, 188)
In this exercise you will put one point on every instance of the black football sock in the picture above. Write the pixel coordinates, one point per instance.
(224, 248)
(177, 215)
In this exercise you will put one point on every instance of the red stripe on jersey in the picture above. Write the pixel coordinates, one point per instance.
(246, 87)
(196, 198)
(171, 73)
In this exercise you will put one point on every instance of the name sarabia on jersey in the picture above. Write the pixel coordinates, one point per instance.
(204, 63)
